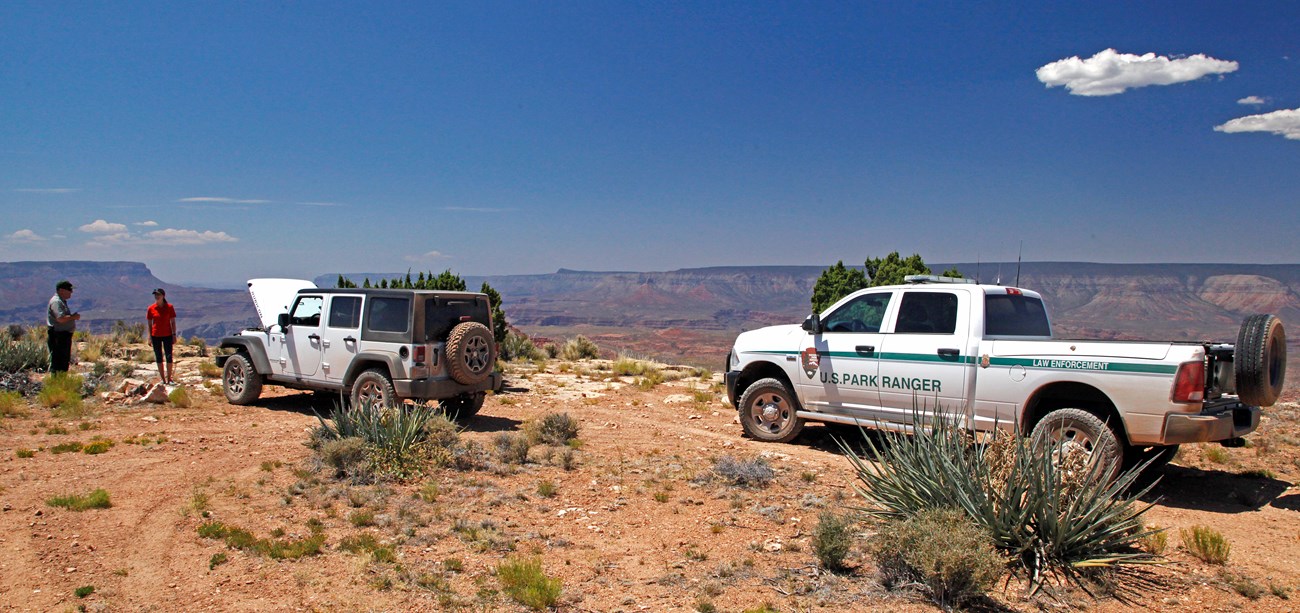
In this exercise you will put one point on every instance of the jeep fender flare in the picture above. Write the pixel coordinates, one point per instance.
(364, 361)
(255, 350)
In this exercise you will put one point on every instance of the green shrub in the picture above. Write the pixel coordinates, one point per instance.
(97, 499)
(1206, 544)
(84, 591)
(347, 456)
(524, 580)
(546, 489)
(128, 334)
(1217, 455)
(518, 347)
(940, 549)
(553, 429)
(97, 446)
(11, 404)
(68, 447)
(24, 452)
(393, 436)
(209, 370)
(832, 539)
(179, 397)
(276, 549)
(1050, 520)
(23, 352)
(217, 559)
(59, 389)
(579, 348)
(551, 350)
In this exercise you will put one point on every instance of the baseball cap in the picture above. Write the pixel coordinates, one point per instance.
(160, 292)
(64, 284)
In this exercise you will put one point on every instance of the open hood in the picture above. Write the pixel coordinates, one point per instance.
(273, 296)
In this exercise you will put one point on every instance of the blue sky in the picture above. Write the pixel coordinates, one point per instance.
(221, 141)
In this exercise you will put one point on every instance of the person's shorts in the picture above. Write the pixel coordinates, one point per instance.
(162, 345)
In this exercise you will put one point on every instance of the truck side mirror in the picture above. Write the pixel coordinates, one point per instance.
(283, 320)
(813, 324)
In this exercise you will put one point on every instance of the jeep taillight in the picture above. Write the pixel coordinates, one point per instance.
(1189, 382)
(419, 354)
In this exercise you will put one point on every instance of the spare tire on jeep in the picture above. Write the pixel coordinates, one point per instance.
(1260, 360)
(471, 353)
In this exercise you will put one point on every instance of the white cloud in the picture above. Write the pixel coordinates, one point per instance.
(172, 236)
(1110, 72)
(1285, 123)
(1252, 100)
(99, 226)
(211, 199)
(148, 224)
(113, 239)
(25, 236)
(425, 257)
(48, 190)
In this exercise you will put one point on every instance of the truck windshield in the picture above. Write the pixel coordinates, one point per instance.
(1012, 315)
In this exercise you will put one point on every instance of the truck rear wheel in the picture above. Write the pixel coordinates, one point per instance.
(768, 412)
(463, 407)
(1077, 428)
(1260, 360)
(373, 388)
(240, 381)
(471, 353)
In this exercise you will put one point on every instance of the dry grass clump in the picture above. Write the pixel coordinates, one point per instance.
(552, 429)
(524, 580)
(754, 472)
(97, 499)
(179, 397)
(579, 348)
(1206, 544)
(61, 392)
(952, 559)
(11, 404)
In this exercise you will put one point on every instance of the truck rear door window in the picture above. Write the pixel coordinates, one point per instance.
(1011, 315)
(345, 312)
(927, 313)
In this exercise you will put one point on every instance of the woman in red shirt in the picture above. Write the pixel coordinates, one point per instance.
(162, 333)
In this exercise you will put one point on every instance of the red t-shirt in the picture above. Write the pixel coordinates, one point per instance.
(161, 319)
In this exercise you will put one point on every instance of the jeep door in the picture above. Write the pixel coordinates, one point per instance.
(925, 363)
(301, 357)
(341, 334)
(842, 378)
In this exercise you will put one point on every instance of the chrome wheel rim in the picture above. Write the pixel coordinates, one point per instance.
(370, 393)
(770, 412)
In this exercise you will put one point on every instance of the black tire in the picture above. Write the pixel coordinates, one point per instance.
(471, 353)
(768, 412)
(463, 407)
(1260, 360)
(240, 381)
(373, 387)
(1077, 426)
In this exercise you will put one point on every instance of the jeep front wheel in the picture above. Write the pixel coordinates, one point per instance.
(240, 381)
(461, 408)
(373, 388)
(471, 353)
(768, 412)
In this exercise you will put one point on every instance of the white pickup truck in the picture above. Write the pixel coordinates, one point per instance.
(984, 355)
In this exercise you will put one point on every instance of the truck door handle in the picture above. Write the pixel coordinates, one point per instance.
(314, 337)
(949, 352)
(866, 349)
(349, 339)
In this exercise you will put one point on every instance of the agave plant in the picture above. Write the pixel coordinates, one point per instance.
(394, 429)
(1052, 518)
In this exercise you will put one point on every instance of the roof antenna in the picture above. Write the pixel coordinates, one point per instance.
(977, 268)
(1021, 252)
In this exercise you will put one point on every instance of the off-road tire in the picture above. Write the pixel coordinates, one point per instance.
(240, 381)
(1260, 360)
(373, 387)
(471, 353)
(1158, 455)
(463, 407)
(768, 412)
(1083, 428)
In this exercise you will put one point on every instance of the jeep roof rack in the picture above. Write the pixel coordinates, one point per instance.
(916, 279)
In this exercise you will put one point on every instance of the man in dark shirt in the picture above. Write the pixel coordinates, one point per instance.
(62, 322)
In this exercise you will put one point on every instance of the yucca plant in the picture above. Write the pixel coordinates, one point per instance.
(398, 429)
(22, 352)
(1053, 520)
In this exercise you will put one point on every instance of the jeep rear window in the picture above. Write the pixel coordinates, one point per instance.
(389, 314)
(442, 314)
(1011, 315)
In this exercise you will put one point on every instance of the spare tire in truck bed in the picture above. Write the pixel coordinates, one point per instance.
(1260, 360)
(471, 353)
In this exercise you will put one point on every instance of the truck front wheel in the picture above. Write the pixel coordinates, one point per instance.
(768, 412)
(1069, 429)
(240, 380)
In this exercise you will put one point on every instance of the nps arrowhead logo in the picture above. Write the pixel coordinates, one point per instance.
(811, 361)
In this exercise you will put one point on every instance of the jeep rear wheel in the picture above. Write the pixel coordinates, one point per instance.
(1070, 429)
(373, 388)
(471, 353)
(240, 381)
(462, 407)
(1260, 360)
(768, 412)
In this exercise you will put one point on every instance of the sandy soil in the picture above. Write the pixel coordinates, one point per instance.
(631, 526)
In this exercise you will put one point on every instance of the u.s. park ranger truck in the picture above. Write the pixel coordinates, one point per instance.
(984, 355)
